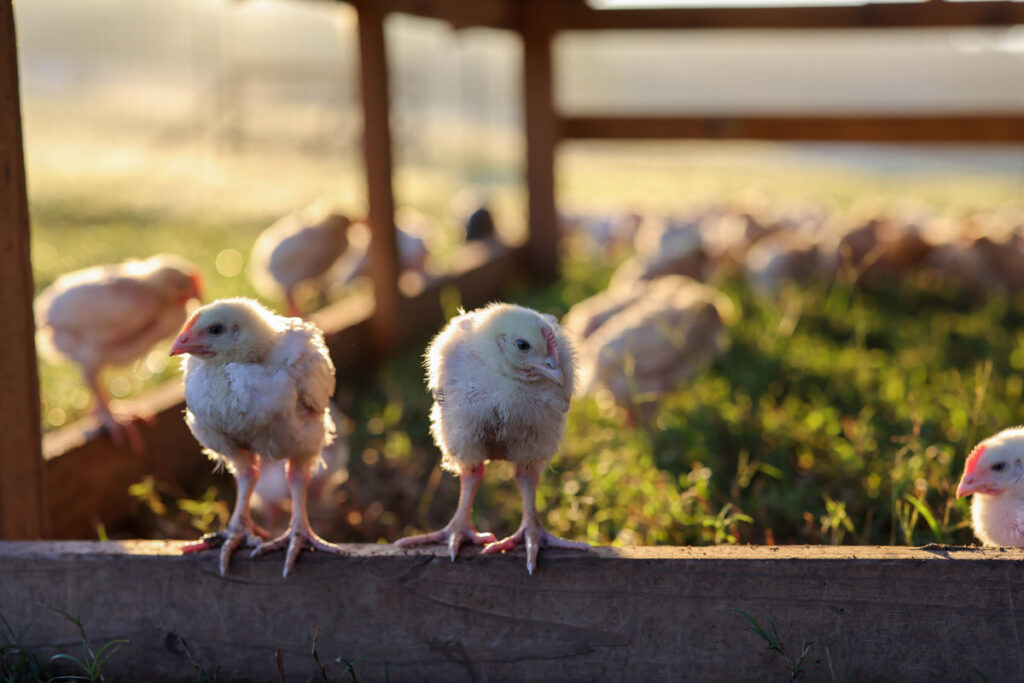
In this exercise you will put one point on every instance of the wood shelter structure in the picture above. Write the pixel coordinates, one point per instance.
(56, 489)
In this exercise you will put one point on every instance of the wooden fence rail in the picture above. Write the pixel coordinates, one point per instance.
(636, 614)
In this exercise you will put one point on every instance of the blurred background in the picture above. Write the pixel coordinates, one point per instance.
(840, 411)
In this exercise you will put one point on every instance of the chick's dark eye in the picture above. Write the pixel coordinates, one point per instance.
(999, 467)
(522, 345)
(216, 329)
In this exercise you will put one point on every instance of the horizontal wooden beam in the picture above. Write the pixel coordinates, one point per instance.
(662, 613)
(87, 478)
(977, 128)
(459, 13)
(577, 15)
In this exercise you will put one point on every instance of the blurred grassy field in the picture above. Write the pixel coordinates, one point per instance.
(837, 415)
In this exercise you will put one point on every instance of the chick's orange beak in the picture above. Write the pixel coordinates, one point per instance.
(550, 369)
(974, 484)
(186, 343)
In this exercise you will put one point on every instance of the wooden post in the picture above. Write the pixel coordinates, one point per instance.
(541, 138)
(21, 460)
(373, 69)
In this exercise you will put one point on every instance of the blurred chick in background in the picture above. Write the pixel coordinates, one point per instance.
(112, 315)
(648, 339)
(298, 252)
(411, 229)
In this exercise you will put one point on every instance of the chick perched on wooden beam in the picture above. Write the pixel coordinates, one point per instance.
(258, 387)
(502, 378)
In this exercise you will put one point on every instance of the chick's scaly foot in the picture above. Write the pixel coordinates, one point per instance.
(454, 535)
(534, 536)
(243, 536)
(296, 539)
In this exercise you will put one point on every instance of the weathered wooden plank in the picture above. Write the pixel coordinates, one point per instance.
(22, 506)
(995, 128)
(577, 15)
(611, 614)
(373, 71)
(538, 28)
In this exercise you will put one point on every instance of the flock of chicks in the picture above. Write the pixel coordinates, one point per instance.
(661, 319)
(258, 385)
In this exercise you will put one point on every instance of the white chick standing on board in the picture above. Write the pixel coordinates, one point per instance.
(112, 315)
(299, 249)
(258, 386)
(994, 473)
(502, 377)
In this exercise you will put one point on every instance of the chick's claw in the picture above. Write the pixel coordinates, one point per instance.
(207, 542)
(453, 535)
(295, 540)
(534, 537)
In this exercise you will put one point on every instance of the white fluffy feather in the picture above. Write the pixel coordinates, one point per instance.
(480, 411)
(277, 407)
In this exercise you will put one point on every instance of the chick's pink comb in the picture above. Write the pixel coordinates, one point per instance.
(188, 325)
(973, 458)
(549, 337)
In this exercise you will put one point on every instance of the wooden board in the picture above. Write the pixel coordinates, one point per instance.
(870, 613)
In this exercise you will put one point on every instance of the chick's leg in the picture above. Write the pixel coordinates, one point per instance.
(292, 305)
(299, 534)
(241, 530)
(124, 432)
(461, 527)
(530, 530)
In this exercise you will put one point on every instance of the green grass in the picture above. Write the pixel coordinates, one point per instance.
(794, 663)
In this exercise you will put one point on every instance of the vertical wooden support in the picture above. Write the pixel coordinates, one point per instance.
(373, 69)
(21, 459)
(538, 24)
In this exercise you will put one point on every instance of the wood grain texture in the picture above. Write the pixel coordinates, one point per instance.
(22, 506)
(612, 614)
